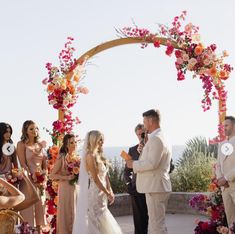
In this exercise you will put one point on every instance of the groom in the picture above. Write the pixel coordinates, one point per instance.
(152, 170)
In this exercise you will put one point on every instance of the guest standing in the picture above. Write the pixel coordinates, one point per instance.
(32, 157)
(225, 169)
(66, 191)
(7, 162)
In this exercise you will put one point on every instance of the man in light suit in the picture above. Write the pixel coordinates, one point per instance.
(139, 206)
(225, 169)
(152, 170)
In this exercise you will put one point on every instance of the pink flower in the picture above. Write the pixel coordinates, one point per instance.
(45, 81)
(180, 75)
(156, 43)
(188, 28)
(83, 90)
(169, 49)
(179, 61)
(178, 53)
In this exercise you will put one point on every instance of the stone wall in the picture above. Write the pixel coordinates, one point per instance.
(178, 203)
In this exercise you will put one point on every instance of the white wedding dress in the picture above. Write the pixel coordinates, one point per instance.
(100, 219)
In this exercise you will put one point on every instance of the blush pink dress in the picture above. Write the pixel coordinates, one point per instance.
(66, 200)
(35, 214)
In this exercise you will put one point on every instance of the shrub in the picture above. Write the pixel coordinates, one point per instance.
(116, 173)
(194, 175)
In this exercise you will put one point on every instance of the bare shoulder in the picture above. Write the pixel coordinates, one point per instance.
(20, 144)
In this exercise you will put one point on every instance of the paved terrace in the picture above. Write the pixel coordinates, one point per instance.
(180, 216)
(176, 223)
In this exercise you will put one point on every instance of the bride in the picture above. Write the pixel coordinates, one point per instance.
(92, 213)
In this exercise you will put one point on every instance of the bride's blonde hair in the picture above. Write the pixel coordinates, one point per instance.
(94, 137)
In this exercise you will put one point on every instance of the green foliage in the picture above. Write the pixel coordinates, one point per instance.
(198, 144)
(193, 171)
(116, 177)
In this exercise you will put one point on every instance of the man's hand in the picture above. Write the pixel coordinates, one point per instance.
(129, 163)
(140, 148)
(222, 182)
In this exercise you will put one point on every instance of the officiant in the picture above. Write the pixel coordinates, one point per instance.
(139, 207)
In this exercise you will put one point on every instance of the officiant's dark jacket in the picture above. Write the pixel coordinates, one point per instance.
(129, 176)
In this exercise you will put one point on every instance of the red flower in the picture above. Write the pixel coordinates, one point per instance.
(180, 75)
(156, 43)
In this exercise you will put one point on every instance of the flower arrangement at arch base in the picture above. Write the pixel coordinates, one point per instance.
(63, 85)
(211, 205)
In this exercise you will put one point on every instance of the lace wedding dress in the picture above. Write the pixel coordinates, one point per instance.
(100, 220)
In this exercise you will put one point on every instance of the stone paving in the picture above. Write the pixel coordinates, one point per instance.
(176, 223)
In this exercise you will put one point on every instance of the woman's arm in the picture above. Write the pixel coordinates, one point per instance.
(13, 199)
(44, 164)
(14, 160)
(112, 197)
(31, 191)
(108, 184)
(92, 168)
(55, 173)
(20, 151)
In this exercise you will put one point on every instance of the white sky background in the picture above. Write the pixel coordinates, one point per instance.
(124, 81)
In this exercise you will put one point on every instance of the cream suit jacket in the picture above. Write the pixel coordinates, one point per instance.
(226, 163)
(153, 166)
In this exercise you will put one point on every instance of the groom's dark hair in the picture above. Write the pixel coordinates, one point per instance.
(231, 118)
(154, 114)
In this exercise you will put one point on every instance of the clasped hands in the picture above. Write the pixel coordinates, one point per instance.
(111, 197)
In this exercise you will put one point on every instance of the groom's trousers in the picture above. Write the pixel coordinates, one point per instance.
(157, 203)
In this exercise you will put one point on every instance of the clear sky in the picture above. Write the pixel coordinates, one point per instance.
(124, 81)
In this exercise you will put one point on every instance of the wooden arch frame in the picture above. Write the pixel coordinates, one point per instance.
(130, 40)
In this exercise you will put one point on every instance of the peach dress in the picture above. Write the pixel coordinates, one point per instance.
(35, 214)
(66, 201)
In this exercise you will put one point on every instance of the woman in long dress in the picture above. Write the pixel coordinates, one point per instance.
(32, 157)
(66, 191)
(100, 220)
(7, 162)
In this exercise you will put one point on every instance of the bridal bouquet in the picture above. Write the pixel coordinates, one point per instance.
(14, 177)
(39, 178)
(73, 166)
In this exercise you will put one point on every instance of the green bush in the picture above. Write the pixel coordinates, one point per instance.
(193, 171)
(116, 173)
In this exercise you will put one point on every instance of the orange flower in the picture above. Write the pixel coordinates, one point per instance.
(76, 170)
(54, 151)
(212, 187)
(56, 200)
(69, 75)
(213, 71)
(198, 49)
(223, 75)
(50, 88)
(76, 78)
(55, 185)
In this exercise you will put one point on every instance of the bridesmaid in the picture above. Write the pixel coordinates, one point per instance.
(7, 162)
(66, 191)
(32, 158)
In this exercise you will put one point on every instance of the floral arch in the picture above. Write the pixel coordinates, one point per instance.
(64, 82)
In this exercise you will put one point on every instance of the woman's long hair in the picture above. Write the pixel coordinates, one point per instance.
(3, 130)
(64, 147)
(94, 137)
(24, 137)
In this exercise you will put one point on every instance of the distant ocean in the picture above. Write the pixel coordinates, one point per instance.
(114, 152)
